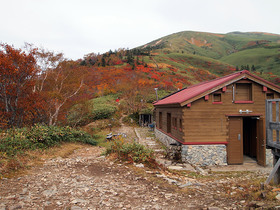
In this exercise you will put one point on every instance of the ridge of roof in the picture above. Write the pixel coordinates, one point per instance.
(219, 78)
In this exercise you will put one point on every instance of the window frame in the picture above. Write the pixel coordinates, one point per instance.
(180, 124)
(219, 101)
(249, 99)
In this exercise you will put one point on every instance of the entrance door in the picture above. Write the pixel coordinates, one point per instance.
(235, 142)
(246, 137)
(260, 143)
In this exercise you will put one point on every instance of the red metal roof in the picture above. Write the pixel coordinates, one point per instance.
(195, 90)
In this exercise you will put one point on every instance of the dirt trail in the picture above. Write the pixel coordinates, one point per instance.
(87, 180)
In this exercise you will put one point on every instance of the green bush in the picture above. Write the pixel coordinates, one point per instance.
(95, 109)
(15, 141)
(102, 111)
(133, 152)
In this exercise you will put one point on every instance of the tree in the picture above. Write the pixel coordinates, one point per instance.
(62, 83)
(237, 69)
(46, 62)
(253, 68)
(19, 102)
(59, 80)
(130, 58)
(103, 62)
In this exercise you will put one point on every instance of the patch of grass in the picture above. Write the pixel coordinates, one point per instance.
(101, 139)
(17, 145)
(95, 109)
(231, 174)
(131, 152)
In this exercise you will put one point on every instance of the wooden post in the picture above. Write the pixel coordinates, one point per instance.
(275, 173)
(271, 143)
(277, 120)
(276, 163)
(269, 132)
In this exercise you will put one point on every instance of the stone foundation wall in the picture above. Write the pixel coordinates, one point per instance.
(205, 155)
(202, 155)
(166, 140)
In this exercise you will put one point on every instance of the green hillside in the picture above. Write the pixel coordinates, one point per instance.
(194, 49)
(264, 58)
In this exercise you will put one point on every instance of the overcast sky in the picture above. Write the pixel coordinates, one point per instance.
(79, 27)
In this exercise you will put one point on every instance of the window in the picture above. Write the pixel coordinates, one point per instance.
(269, 96)
(160, 120)
(174, 123)
(180, 125)
(168, 122)
(243, 92)
(217, 97)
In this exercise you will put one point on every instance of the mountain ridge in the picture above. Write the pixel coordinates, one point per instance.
(261, 49)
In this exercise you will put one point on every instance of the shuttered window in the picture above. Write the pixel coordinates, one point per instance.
(243, 92)
(217, 97)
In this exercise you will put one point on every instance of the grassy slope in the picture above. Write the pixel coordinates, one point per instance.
(193, 49)
(264, 59)
(203, 44)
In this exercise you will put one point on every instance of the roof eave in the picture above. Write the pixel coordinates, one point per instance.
(168, 105)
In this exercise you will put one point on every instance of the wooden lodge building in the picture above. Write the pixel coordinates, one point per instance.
(217, 122)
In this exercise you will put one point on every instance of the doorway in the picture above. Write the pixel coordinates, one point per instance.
(245, 138)
(250, 137)
(145, 119)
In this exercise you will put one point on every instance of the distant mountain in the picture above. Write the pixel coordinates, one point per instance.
(237, 49)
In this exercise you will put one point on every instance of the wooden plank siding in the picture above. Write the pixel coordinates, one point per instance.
(206, 121)
(175, 113)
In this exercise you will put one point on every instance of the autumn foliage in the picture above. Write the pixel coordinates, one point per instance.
(19, 104)
(42, 86)
(35, 85)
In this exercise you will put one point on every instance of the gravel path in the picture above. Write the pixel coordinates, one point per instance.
(87, 180)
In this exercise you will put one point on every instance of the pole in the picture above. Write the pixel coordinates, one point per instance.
(156, 93)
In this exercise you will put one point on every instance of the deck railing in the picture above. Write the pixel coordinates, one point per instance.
(272, 123)
(272, 137)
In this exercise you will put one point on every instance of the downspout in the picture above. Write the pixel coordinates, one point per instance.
(233, 94)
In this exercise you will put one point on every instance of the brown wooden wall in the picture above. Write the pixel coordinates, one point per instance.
(176, 112)
(206, 121)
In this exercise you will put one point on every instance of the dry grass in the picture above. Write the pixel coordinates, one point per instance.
(17, 166)
(64, 150)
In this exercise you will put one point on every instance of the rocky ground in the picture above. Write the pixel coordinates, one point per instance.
(88, 180)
